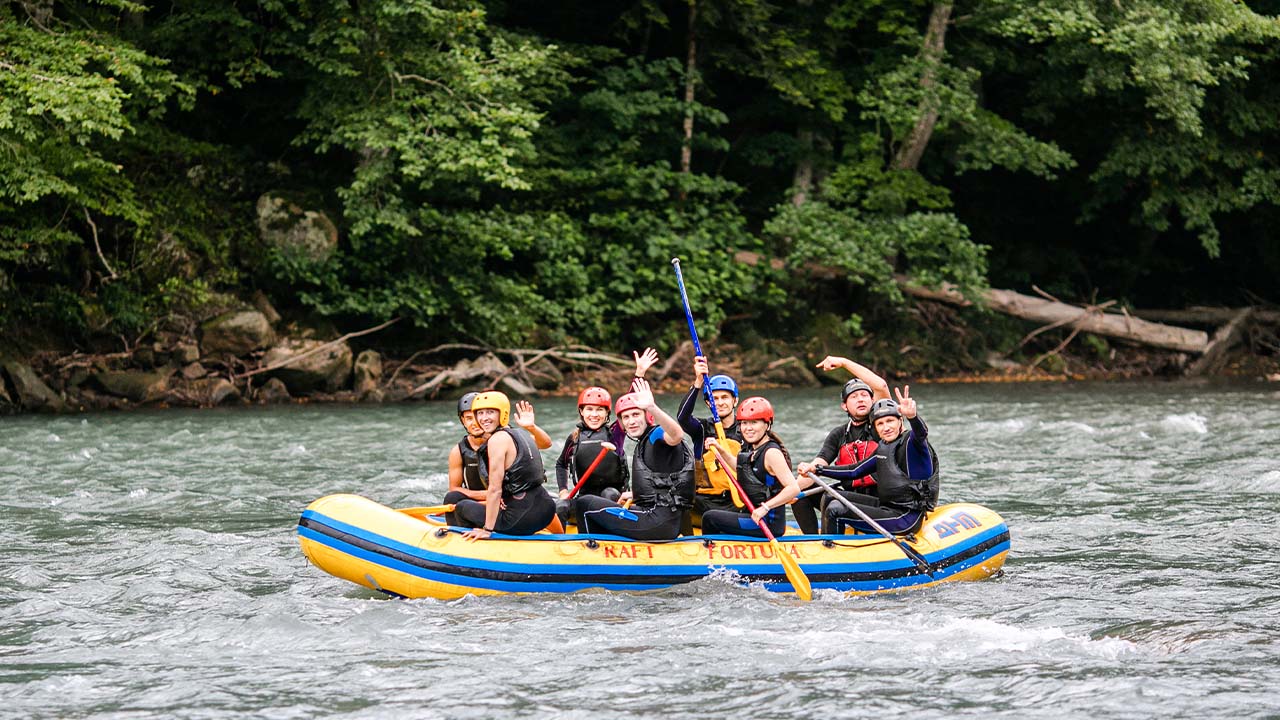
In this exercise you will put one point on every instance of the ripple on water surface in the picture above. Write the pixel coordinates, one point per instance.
(152, 570)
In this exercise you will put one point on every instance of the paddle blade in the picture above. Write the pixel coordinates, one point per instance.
(426, 510)
(796, 576)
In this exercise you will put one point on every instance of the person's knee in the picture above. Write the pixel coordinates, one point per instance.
(610, 494)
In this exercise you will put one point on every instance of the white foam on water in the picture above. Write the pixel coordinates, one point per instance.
(1186, 423)
(1069, 425)
(53, 438)
(139, 492)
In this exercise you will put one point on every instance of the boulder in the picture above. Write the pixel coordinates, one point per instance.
(326, 370)
(296, 232)
(29, 390)
(367, 374)
(138, 387)
(791, 372)
(194, 371)
(205, 392)
(185, 353)
(273, 391)
(236, 333)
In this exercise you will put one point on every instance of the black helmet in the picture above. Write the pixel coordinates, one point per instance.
(853, 386)
(884, 408)
(464, 403)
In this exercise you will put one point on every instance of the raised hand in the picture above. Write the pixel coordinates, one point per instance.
(831, 362)
(644, 395)
(700, 370)
(645, 360)
(524, 414)
(906, 405)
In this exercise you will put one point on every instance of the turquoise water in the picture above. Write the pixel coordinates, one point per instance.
(151, 569)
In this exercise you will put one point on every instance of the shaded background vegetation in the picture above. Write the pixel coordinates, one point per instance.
(521, 172)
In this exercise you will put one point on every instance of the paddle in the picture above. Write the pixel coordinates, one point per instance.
(706, 386)
(911, 554)
(590, 469)
(426, 510)
(795, 575)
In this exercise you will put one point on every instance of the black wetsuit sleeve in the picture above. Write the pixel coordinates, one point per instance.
(919, 459)
(831, 446)
(562, 464)
(691, 425)
(848, 472)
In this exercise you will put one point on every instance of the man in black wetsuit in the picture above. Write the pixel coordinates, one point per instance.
(849, 443)
(661, 475)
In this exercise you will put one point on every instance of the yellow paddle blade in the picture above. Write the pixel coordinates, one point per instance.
(795, 575)
(426, 510)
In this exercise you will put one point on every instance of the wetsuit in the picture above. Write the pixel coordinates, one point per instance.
(847, 444)
(698, 430)
(662, 485)
(760, 487)
(609, 480)
(906, 473)
(471, 479)
(528, 506)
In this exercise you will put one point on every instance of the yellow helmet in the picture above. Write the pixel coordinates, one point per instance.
(493, 400)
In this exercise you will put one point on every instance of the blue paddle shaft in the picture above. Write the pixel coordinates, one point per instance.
(697, 346)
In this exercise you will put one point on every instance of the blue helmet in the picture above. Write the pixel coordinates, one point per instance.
(723, 382)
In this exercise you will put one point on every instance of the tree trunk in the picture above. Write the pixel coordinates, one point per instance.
(908, 157)
(802, 181)
(1223, 340)
(690, 72)
(1215, 316)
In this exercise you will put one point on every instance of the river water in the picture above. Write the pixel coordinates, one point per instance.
(150, 569)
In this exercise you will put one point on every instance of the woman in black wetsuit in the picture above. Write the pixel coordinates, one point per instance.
(515, 502)
(905, 467)
(764, 472)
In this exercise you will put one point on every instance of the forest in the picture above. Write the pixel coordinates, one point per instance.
(521, 173)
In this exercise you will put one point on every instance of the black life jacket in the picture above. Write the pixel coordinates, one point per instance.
(896, 488)
(759, 485)
(610, 473)
(471, 478)
(672, 490)
(525, 472)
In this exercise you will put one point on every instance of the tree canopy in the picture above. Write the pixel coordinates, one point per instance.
(523, 172)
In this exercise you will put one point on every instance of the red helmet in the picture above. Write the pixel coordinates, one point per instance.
(594, 396)
(628, 402)
(755, 408)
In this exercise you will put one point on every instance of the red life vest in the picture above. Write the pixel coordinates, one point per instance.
(852, 453)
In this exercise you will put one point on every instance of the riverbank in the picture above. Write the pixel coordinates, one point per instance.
(250, 356)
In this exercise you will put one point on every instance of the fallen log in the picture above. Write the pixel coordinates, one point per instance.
(1223, 340)
(1091, 320)
(1213, 316)
(1041, 310)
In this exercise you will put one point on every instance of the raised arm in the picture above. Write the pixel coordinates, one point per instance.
(672, 433)
(879, 388)
(524, 417)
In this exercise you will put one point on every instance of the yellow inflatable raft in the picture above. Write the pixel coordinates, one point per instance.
(357, 539)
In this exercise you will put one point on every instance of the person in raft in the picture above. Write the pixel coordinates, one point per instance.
(594, 432)
(905, 468)
(848, 443)
(464, 464)
(465, 482)
(511, 466)
(661, 475)
(714, 492)
(764, 472)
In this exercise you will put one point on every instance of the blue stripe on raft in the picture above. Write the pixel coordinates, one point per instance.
(467, 581)
(498, 566)
(600, 572)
